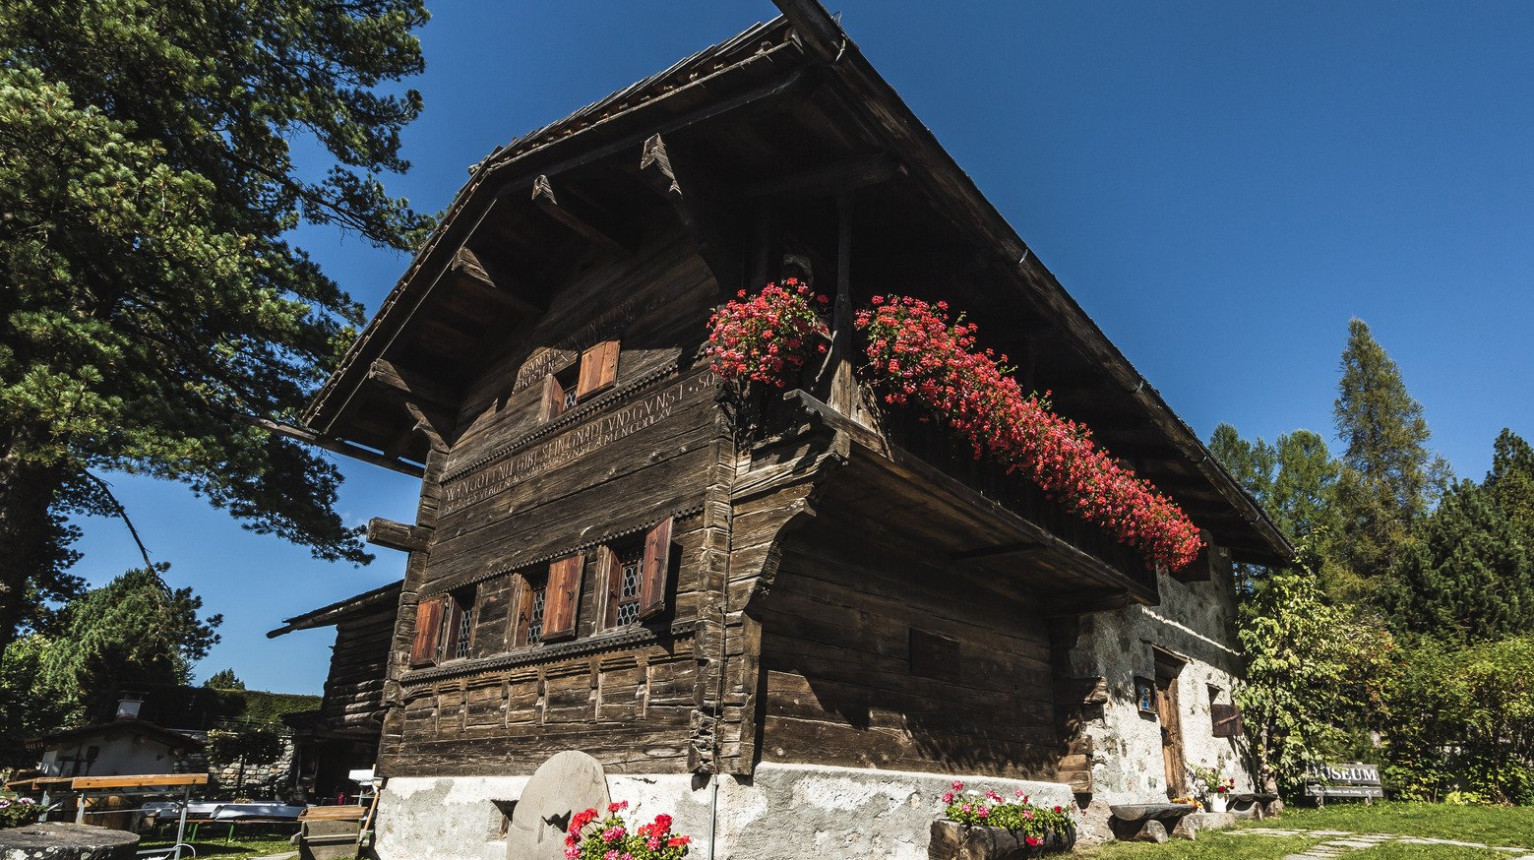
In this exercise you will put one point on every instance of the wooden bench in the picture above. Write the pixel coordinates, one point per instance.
(1345, 781)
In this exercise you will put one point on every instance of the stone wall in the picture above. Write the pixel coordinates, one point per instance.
(275, 780)
(792, 812)
(1195, 623)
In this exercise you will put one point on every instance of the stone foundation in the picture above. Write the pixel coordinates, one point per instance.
(791, 812)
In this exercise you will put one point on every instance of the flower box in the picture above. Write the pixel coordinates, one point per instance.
(952, 841)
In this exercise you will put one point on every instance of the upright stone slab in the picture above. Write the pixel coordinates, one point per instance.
(66, 842)
(562, 786)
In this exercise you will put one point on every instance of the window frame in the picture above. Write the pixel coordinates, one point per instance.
(595, 371)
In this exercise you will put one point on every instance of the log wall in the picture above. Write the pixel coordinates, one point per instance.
(517, 489)
(871, 656)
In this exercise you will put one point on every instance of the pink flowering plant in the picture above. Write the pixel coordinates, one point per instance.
(765, 337)
(917, 354)
(1035, 824)
(19, 811)
(594, 837)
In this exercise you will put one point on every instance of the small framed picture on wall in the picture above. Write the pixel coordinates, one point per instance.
(1145, 695)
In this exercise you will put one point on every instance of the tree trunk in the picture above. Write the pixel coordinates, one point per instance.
(26, 494)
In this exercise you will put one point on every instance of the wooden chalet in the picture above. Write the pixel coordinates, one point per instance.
(609, 557)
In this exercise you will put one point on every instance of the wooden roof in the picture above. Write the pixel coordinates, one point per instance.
(788, 113)
(382, 599)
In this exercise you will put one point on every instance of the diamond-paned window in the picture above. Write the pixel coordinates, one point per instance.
(535, 615)
(630, 561)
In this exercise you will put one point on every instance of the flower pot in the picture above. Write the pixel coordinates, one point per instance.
(1217, 802)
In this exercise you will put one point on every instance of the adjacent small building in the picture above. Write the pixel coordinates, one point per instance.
(773, 616)
(127, 746)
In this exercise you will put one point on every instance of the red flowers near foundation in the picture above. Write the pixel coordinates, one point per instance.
(761, 338)
(917, 353)
(593, 838)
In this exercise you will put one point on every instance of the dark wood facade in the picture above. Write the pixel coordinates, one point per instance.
(607, 557)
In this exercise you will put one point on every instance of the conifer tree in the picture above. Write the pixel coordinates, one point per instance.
(1511, 479)
(153, 311)
(1384, 487)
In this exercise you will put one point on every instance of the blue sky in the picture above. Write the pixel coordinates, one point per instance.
(1221, 185)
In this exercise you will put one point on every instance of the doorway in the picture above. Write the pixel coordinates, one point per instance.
(1169, 714)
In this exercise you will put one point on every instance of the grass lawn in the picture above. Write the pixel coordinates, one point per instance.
(1213, 845)
(239, 849)
(1491, 825)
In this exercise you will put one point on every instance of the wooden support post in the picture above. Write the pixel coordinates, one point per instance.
(843, 388)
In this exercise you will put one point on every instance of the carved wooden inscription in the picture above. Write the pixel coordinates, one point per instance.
(598, 433)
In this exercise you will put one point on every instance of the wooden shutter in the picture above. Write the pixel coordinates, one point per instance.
(1227, 721)
(428, 625)
(599, 368)
(553, 398)
(562, 598)
(610, 574)
(657, 566)
(521, 611)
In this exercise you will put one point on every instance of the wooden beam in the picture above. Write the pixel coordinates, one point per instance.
(396, 535)
(412, 385)
(1081, 602)
(842, 177)
(1018, 548)
(339, 447)
(494, 282)
(814, 28)
(710, 223)
(579, 218)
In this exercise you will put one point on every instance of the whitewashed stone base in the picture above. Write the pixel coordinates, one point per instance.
(792, 812)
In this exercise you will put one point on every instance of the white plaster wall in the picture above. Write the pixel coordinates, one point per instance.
(1195, 621)
(783, 812)
(129, 754)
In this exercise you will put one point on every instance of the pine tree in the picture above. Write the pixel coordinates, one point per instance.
(1383, 490)
(1511, 479)
(133, 633)
(153, 311)
(1469, 577)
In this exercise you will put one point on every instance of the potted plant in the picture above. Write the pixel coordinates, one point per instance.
(19, 811)
(987, 826)
(1216, 788)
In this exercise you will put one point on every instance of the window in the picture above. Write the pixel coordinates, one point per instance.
(444, 627)
(595, 372)
(458, 624)
(636, 575)
(532, 597)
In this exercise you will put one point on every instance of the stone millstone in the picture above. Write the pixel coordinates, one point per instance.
(562, 786)
(66, 842)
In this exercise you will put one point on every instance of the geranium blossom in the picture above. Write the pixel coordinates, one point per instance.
(917, 354)
(762, 338)
(593, 838)
(1035, 825)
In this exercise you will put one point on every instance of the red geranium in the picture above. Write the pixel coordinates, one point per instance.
(762, 338)
(916, 353)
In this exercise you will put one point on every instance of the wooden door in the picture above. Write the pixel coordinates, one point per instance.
(1168, 712)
